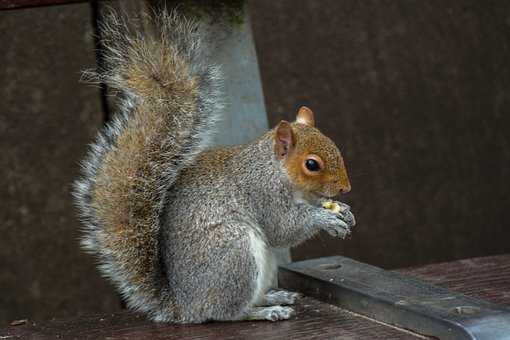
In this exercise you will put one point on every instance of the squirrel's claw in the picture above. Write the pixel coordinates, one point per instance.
(272, 313)
(332, 223)
(348, 218)
(339, 231)
(343, 212)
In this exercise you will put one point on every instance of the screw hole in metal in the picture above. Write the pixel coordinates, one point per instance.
(330, 266)
(465, 310)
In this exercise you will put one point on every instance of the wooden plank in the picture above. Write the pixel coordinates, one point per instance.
(46, 120)
(487, 278)
(12, 4)
(314, 320)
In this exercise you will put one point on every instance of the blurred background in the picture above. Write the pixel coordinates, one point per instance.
(415, 93)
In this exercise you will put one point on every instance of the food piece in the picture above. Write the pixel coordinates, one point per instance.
(327, 204)
(333, 206)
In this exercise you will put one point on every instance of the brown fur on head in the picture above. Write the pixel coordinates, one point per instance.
(313, 162)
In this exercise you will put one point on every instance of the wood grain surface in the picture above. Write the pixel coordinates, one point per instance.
(487, 278)
(47, 117)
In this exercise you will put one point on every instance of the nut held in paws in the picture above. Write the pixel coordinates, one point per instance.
(333, 206)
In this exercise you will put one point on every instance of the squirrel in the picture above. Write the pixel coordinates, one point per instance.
(186, 231)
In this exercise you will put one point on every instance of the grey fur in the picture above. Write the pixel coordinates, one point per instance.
(120, 52)
(217, 212)
(280, 297)
(210, 211)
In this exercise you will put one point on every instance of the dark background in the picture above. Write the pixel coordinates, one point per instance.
(415, 93)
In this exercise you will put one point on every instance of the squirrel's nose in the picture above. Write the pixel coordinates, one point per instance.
(345, 187)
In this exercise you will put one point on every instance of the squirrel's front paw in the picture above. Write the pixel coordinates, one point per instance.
(334, 223)
(342, 210)
(338, 229)
(346, 215)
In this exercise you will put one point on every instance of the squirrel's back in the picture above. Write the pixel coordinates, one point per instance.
(169, 100)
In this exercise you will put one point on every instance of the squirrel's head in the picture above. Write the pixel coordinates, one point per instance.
(313, 162)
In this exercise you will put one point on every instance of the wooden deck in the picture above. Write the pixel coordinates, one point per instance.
(487, 278)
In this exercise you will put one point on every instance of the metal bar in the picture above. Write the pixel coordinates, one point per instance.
(396, 299)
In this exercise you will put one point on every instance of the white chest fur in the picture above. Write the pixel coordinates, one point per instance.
(266, 266)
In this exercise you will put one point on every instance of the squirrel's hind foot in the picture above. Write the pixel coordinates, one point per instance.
(272, 313)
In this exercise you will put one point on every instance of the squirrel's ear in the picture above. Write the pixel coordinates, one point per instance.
(284, 139)
(305, 116)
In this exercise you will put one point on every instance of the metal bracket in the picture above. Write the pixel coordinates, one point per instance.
(396, 299)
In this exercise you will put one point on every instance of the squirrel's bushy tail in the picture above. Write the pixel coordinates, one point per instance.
(169, 102)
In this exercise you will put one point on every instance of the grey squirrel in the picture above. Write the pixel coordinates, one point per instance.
(185, 231)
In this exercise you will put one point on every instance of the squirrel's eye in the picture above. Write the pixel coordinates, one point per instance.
(312, 165)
